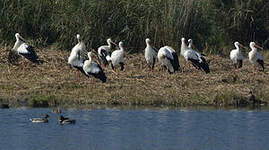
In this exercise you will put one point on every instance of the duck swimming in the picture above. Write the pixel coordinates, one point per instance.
(40, 120)
(62, 120)
(56, 111)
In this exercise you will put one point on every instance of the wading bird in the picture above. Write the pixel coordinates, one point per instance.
(40, 120)
(236, 56)
(196, 59)
(168, 59)
(104, 52)
(255, 57)
(75, 59)
(117, 57)
(25, 49)
(150, 54)
(92, 68)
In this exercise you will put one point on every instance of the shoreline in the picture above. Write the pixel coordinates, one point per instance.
(55, 83)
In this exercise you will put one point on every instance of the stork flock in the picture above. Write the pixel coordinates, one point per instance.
(167, 56)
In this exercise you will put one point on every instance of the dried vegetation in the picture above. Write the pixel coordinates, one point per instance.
(54, 83)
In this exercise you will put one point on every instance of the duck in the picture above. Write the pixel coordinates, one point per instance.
(40, 120)
(56, 111)
(252, 99)
(62, 120)
(4, 106)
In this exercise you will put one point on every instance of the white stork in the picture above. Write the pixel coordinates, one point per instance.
(92, 68)
(117, 57)
(104, 52)
(254, 56)
(150, 54)
(197, 60)
(75, 59)
(25, 49)
(236, 56)
(168, 59)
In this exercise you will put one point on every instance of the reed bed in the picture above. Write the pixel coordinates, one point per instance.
(55, 83)
(213, 24)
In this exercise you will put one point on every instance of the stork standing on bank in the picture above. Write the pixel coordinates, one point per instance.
(196, 59)
(25, 49)
(150, 54)
(104, 52)
(255, 57)
(168, 58)
(92, 68)
(236, 56)
(117, 57)
(75, 59)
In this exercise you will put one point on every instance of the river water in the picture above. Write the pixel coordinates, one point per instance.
(136, 129)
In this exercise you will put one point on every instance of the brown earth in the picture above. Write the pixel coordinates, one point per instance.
(54, 82)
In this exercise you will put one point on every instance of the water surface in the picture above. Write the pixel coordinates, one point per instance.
(134, 129)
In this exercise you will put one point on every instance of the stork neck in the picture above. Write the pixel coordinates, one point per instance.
(121, 48)
(183, 47)
(237, 47)
(90, 58)
(190, 45)
(253, 48)
(17, 43)
(109, 44)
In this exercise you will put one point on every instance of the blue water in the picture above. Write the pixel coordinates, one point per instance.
(135, 129)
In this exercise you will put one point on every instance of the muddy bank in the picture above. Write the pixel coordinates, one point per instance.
(55, 83)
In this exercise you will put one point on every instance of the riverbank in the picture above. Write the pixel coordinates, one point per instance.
(55, 83)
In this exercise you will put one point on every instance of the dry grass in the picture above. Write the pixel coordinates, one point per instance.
(56, 82)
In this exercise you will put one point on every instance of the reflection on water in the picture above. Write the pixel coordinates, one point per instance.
(135, 129)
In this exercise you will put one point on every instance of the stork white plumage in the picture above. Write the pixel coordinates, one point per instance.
(92, 68)
(75, 59)
(255, 57)
(25, 49)
(168, 59)
(117, 57)
(236, 56)
(104, 52)
(150, 54)
(175, 62)
(196, 59)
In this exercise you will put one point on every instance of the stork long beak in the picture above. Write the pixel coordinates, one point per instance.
(241, 45)
(94, 52)
(194, 47)
(22, 39)
(114, 43)
(257, 46)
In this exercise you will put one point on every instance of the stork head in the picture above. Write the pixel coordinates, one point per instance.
(19, 37)
(121, 44)
(236, 43)
(183, 40)
(148, 41)
(190, 41)
(110, 41)
(252, 45)
(78, 36)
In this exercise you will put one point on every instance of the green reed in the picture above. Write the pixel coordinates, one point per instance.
(212, 24)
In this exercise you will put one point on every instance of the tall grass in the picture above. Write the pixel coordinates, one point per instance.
(212, 24)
